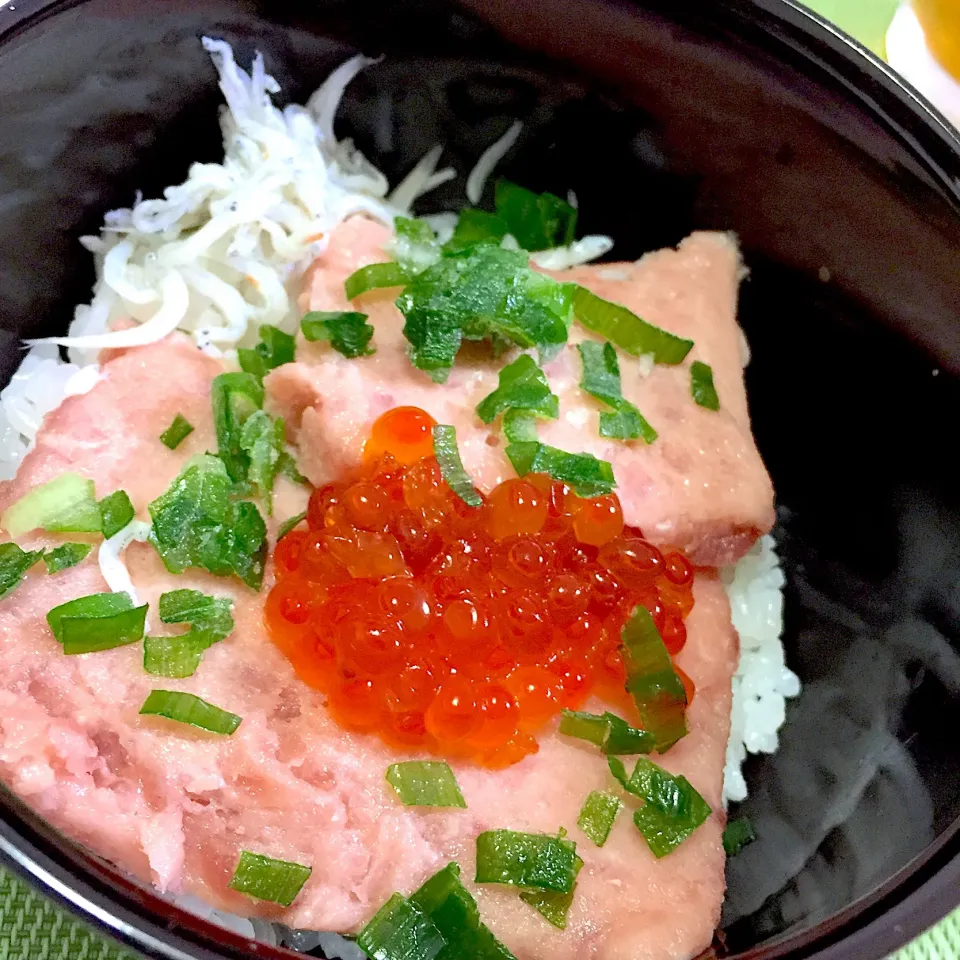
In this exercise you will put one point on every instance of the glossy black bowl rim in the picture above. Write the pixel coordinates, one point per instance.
(919, 895)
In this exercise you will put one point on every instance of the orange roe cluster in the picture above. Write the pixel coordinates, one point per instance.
(463, 630)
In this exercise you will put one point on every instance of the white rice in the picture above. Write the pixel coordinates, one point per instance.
(223, 253)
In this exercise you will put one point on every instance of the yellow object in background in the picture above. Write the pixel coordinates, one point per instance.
(941, 26)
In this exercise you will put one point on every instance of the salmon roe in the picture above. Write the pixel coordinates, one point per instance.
(463, 630)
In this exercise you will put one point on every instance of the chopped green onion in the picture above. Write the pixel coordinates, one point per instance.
(64, 556)
(374, 277)
(236, 397)
(425, 783)
(262, 439)
(554, 907)
(348, 331)
(523, 386)
(451, 466)
(535, 860)
(738, 834)
(210, 621)
(288, 525)
(415, 245)
(473, 227)
(601, 379)
(287, 467)
(400, 930)
(588, 476)
(609, 732)
(177, 432)
(190, 709)
(67, 504)
(537, 221)
(14, 563)
(701, 386)
(482, 293)
(450, 906)
(274, 350)
(116, 511)
(597, 814)
(196, 523)
(652, 681)
(672, 808)
(264, 878)
(97, 622)
(625, 329)
(520, 426)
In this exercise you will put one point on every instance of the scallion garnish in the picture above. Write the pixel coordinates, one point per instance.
(609, 732)
(553, 907)
(264, 878)
(523, 386)
(626, 330)
(274, 350)
(701, 386)
(14, 563)
(601, 379)
(537, 221)
(261, 439)
(520, 426)
(287, 467)
(415, 245)
(177, 432)
(451, 466)
(738, 834)
(473, 227)
(347, 331)
(425, 783)
(672, 808)
(236, 397)
(288, 525)
(373, 277)
(652, 681)
(588, 476)
(64, 556)
(190, 709)
(97, 622)
(597, 815)
(210, 621)
(534, 860)
(66, 504)
(196, 523)
(116, 511)
(400, 930)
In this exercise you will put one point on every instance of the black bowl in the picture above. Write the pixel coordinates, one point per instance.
(664, 116)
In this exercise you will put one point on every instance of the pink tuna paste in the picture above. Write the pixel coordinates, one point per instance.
(175, 806)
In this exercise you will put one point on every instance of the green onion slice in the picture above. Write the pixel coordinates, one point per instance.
(553, 907)
(451, 466)
(264, 878)
(523, 386)
(236, 397)
(538, 221)
(597, 815)
(625, 329)
(450, 906)
(190, 709)
(473, 227)
(373, 277)
(738, 834)
(289, 525)
(287, 467)
(534, 860)
(652, 681)
(520, 426)
(588, 476)
(425, 783)
(701, 386)
(14, 563)
(262, 440)
(274, 350)
(116, 511)
(64, 556)
(347, 331)
(210, 621)
(67, 504)
(400, 930)
(672, 808)
(415, 244)
(601, 379)
(177, 432)
(97, 622)
(609, 732)
(196, 523)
